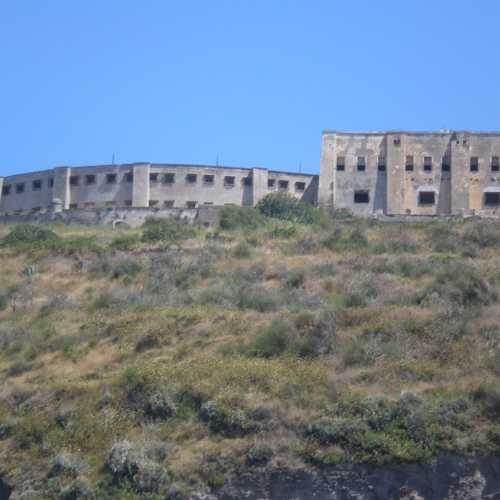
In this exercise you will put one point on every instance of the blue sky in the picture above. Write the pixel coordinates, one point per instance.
(252, 82)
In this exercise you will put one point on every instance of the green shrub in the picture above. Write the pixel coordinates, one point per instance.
(126, 269)
(125, 242)
(259, 454)
(242, 250)
(166, 230)
(231, 218)
(483, 234)
(29, 233)
(285, 206)
(4, 302)
(341, 431)
(230, 423)
(295, 278)
(160, 404)
(272, 340)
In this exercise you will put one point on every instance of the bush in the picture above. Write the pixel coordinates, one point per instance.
(160, 404)
(4, 301)
(29, 233)
(242, 250)
(126, 269)
(339, 431)
(231, 218)
(285, 206)
(483, 234)
(231, 423)
(259, 454)
(125, 242)
(295, 278)
(168, 230)
(272, 340)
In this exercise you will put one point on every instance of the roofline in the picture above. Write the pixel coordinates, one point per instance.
(443, 132)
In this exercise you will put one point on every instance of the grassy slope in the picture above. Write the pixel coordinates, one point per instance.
(385, 346)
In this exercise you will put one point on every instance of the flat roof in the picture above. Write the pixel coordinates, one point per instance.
(414, 132)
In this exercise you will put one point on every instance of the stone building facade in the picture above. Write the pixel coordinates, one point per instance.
(143, 185)
(411, 173)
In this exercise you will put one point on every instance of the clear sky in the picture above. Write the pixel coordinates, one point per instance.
(252, 82)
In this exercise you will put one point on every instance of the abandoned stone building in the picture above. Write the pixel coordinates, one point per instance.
(157, 186)
(411, 173)
(391, 173)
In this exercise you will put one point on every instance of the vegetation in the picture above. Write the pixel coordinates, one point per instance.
(155, 362)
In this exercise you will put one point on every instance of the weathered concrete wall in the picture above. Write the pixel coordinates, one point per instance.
(1, 190)
(152, 185)
(326, 192)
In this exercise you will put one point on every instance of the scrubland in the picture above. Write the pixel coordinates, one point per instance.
(157, 362)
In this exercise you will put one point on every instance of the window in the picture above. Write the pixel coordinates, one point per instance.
(51, 182)
(271, 183)
(381, 164)
(74, 180)
(492, 199)
(168, 203)
(153, 177)
(6, 190)
(20, 188)
(208, 179)
(495, 164)
(191, 178)
(191, 204)
(153, 203)
(128, 203)
(229, 181)
(445, 163)
(89, 204)
(427, 163)
(208, 203)
(247, 181)
(300, 187)
(474, 164)
(361, 164)
(397, 141)
(110, 178)
(89, 180)
(283, 185)
(426, 198)
(340, 163)
(169, 178)
(361, 197)
(129, 177)
(409, 164)
(110, 204)
(37, 185)
(72, 206)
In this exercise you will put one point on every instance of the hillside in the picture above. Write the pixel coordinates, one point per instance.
(159, 362)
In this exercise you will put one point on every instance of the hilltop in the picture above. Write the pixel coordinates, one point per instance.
(161, 361)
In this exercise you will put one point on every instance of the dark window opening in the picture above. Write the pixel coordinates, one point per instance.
(72, 206)
(168, 203)
(153, 203)
(283, 185)
(20, 188)
(208, 203)
(426, 198)
(492, 199)
(110, 178)
(208, 179)
(271, 183)
(153, 177)
(74, 180)
(89, 179)
(446, 164)
(128, 203)
(6, 190)
(191, 204)
(89, 204)
(381, 163)
(428, 163)
(37, 185)
(409, 164)
(247, 181)
(51, 182)
(169, 178)
(300, 186)
(229, 181)
(191, 178)
(129, 177)
(361, 197)
(495, 164)
(474, 164)
(397, 141)
(361, 164)
(340, 163)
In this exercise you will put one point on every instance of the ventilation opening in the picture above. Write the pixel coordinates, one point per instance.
(208, 179)
(426, 198)
(361, 197)
(340, 163)
(474, 164)
(492, 199)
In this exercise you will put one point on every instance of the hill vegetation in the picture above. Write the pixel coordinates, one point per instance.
(154, 362)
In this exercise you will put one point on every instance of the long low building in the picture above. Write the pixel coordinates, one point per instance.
(411, 173)
(149, 185)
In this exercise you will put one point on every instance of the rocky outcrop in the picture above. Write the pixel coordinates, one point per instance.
(448, 478)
